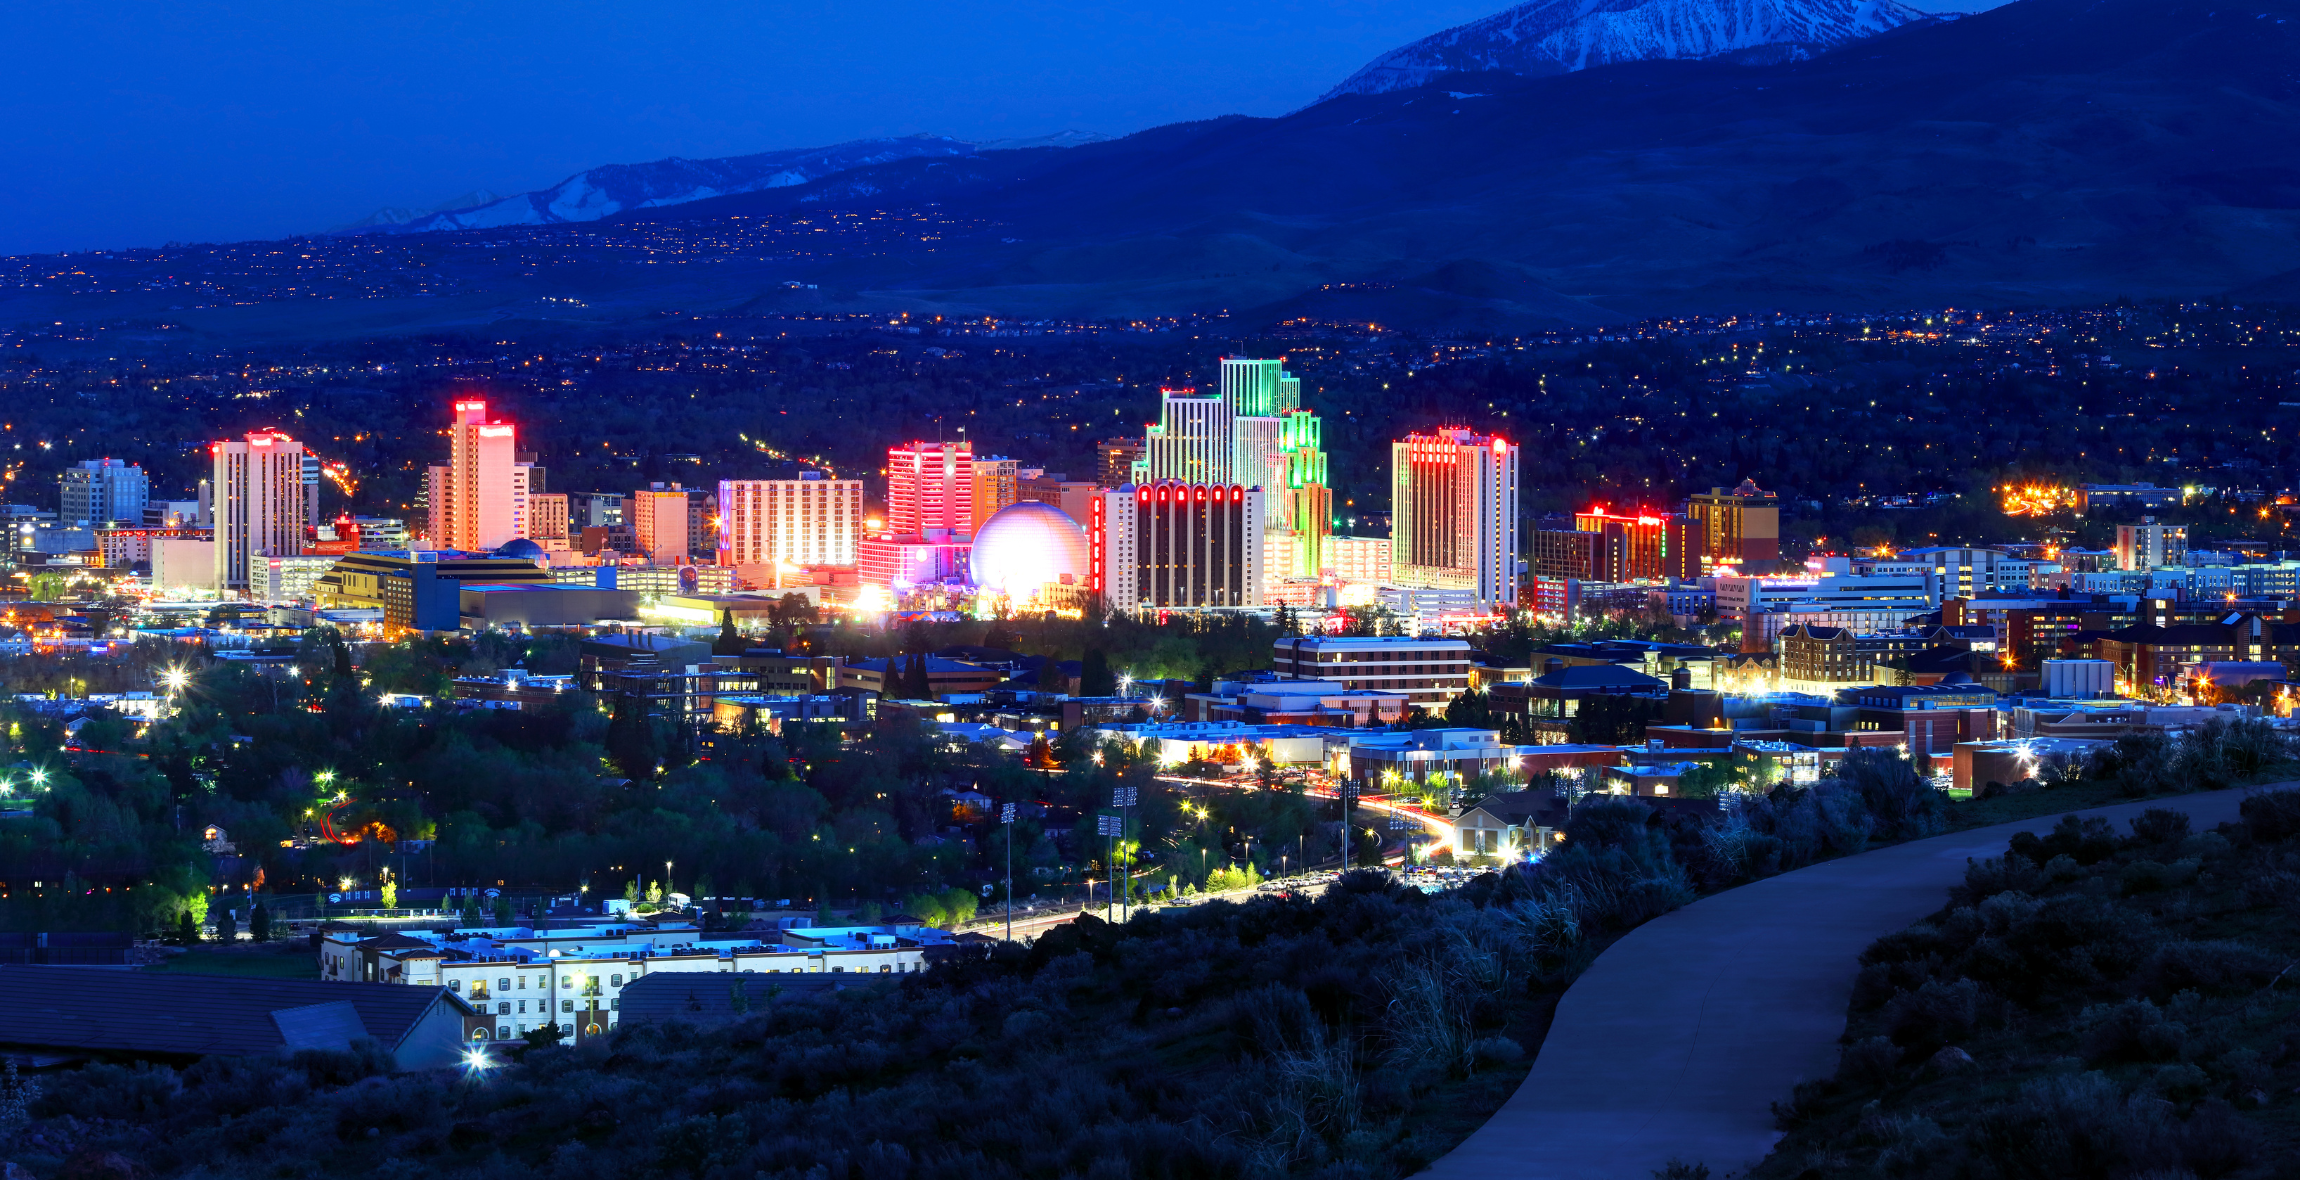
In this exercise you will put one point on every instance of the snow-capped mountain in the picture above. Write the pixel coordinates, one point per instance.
(599, 192)
(1560, 36)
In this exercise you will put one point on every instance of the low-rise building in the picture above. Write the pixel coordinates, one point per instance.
(1431, 672)
(522, 978)
(1388, 760)
(1265, 698)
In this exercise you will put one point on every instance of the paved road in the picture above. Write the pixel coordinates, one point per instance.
(1679, 1037)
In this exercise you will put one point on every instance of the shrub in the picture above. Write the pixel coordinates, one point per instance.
(1937, 1014)
(2148, 876)
(1869, 1063)
(2272, 816)
(2071, 1126)
(1900, 805)
(2160, 825)
(2011, 872)
(2215, 1142)
(2214, 965)
(2135, 1030)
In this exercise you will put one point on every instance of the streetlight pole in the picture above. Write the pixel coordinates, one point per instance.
(1006, 817)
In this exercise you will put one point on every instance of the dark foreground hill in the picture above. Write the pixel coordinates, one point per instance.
(2050, 151)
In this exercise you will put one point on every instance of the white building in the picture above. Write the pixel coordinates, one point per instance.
(573, 977)
(1359, 559)
(290, 579)
(776, 523)
(261, 508)
(1192, 441)
(1429, 671)
(1865, 603)
(1177, 546)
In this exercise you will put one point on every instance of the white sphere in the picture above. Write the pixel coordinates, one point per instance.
(1024, 547)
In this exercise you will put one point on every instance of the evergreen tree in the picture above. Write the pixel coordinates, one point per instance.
(916, 685)
(1094, 676)
(187, 931)
(730, 641)
(260, 923)
(631, 740)
(343, 668)
(227, 929)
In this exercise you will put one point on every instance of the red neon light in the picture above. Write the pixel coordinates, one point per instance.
(1499, 446)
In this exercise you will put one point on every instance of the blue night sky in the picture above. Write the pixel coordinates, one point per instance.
(136, 124)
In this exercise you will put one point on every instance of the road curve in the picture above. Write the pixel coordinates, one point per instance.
(1677, 1040)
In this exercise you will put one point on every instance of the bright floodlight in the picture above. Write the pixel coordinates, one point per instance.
(1025, 547)
(476, 1059)
(40, 778)
(176, 679)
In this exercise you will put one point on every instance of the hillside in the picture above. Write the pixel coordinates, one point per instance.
(2049, 151)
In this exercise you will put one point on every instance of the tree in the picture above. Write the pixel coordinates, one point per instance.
(260, 923)
(730, 641)
(1094, 677)
(916, 686)
(502, 910)
(227, 930)
(390, 893)
(631, 740)
(187, 930)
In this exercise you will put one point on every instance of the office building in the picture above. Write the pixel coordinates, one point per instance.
(2147, 545)
(785, 524)
(596, 510)
(994, 486)
(419, 590)
(930, 489)
(1740, 528)
(1118, 457)
(261, 509)
(1429, 671)
(1453, 517)
(100, 492)
(1191, 442)
(1177, 546)
(177, 514)
(1631, 546)
(1961, 571)
(1256, 388)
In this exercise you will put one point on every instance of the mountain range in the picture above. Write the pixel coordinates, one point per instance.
(2046, 152)
(599, 192)
(1560, 36)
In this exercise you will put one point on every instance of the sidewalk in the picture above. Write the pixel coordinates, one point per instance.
(1678, 1039)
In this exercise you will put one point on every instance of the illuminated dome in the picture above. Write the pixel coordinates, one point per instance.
(1026, 546)
(520, 547)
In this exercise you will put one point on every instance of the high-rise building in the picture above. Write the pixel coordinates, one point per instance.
(1633, 547)
(1072, 496)
(1740, 528)
(994, 486)
(930, 489)
(1191, 442)
(1172, 545)
(2147, 545)
(547, 516)
(776, 523)
(1364, 560)
(1259, 388)
(671, 523)
(1118, 457)
(1309, 500)
(1453, 513)
(261, 510)
(475, 501)
(99, 492)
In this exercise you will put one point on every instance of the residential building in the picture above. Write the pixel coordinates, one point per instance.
(261, 509)
(1177, 546)
(2150, 657)
(1740, 529)
(1815, 658)
(100, 492)
(781, 525)
(2147, 545)
(1453, 518)
(930, 489)
(1430, 672)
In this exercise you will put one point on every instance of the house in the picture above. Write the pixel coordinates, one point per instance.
(107, 1014)
(1512, 825)
(1547, 704)
(700, 999)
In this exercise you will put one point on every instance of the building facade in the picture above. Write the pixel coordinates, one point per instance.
(260, 506)
(99, 492)
(1453, 518)
(930, 489)
(475, 500)
(1740, 528)
(1191, 442)
(799, 522)
(1430, 672)
(1172, 545)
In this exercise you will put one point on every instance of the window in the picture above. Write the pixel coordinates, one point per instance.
(503, 1032)
(456, 985)
(615, 1005)
(566, 1005)
(503, 1009)
(504, 983)
(523, 1005)
(618, 980)
(479, 1034)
